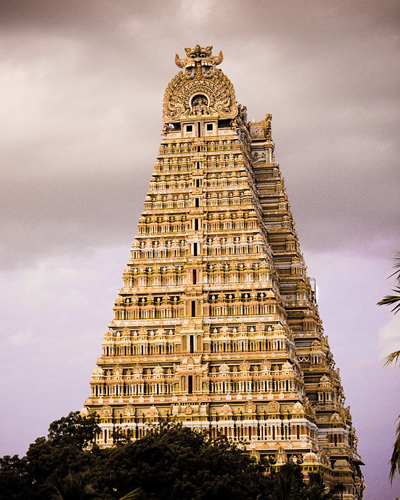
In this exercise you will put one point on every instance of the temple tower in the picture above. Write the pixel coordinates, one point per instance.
(216, 324)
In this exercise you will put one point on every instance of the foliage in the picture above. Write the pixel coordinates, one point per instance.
(394, 299)
(14, 481)
(174, 462)
(73, 487)
(394, 357)
(49, 462)
(288, 484)
(170, 462)
(395, 458)
(74, 429)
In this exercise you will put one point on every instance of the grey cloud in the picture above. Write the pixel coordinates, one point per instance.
(82, 17)
(81, 117)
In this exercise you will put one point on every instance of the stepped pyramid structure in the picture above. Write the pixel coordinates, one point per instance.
(216, 324)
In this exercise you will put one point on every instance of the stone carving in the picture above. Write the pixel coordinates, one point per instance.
(280, 455)
(250, 407)
(262, 129)
(200, 89)
(244, 366)
(158, 370)
(256, 455)
(273, 407)
(98, 372)
(152, 412)
(224, 368)
(199, 105)
(298, 408)
(129, 411)
(106, 411)
(137, 369)
(226, 410)
(310, 458)
(201, 58)
(117, 371)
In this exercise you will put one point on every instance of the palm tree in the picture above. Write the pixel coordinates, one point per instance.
(395, 459)
(133, 495)
(394, 357)
(394, 300)
(72, 487)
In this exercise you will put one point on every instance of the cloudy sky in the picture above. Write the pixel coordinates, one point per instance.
(81, 88)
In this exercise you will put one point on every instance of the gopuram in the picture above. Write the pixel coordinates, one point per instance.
(216, 324)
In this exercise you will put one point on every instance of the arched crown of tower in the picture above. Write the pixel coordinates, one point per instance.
(200, 89)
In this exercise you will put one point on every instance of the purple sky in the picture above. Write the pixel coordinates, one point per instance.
(81, 88)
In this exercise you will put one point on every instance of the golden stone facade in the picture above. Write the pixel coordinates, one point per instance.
(216, 324)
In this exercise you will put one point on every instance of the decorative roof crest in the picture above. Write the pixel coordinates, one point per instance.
(201, 58)
(200, 89)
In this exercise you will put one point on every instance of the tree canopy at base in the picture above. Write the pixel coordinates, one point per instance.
(170, 462)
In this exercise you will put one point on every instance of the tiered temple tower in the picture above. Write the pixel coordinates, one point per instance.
(216, 324)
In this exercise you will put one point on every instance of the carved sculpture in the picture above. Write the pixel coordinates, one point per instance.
(200, 89)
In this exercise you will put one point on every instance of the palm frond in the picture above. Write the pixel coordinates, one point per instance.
(132, 495)
(396, 266)
(72, 487)
(395, 459)
(392, 358)
(390, 300)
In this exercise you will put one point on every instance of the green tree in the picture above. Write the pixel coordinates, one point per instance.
(170, 462)
(72, 487)
(174, 462)
(62, 460)
(133, 495)
(394, 357)
(394, 300)
(14, 480)
(52, 465)
(74, 429)
(289, 484)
